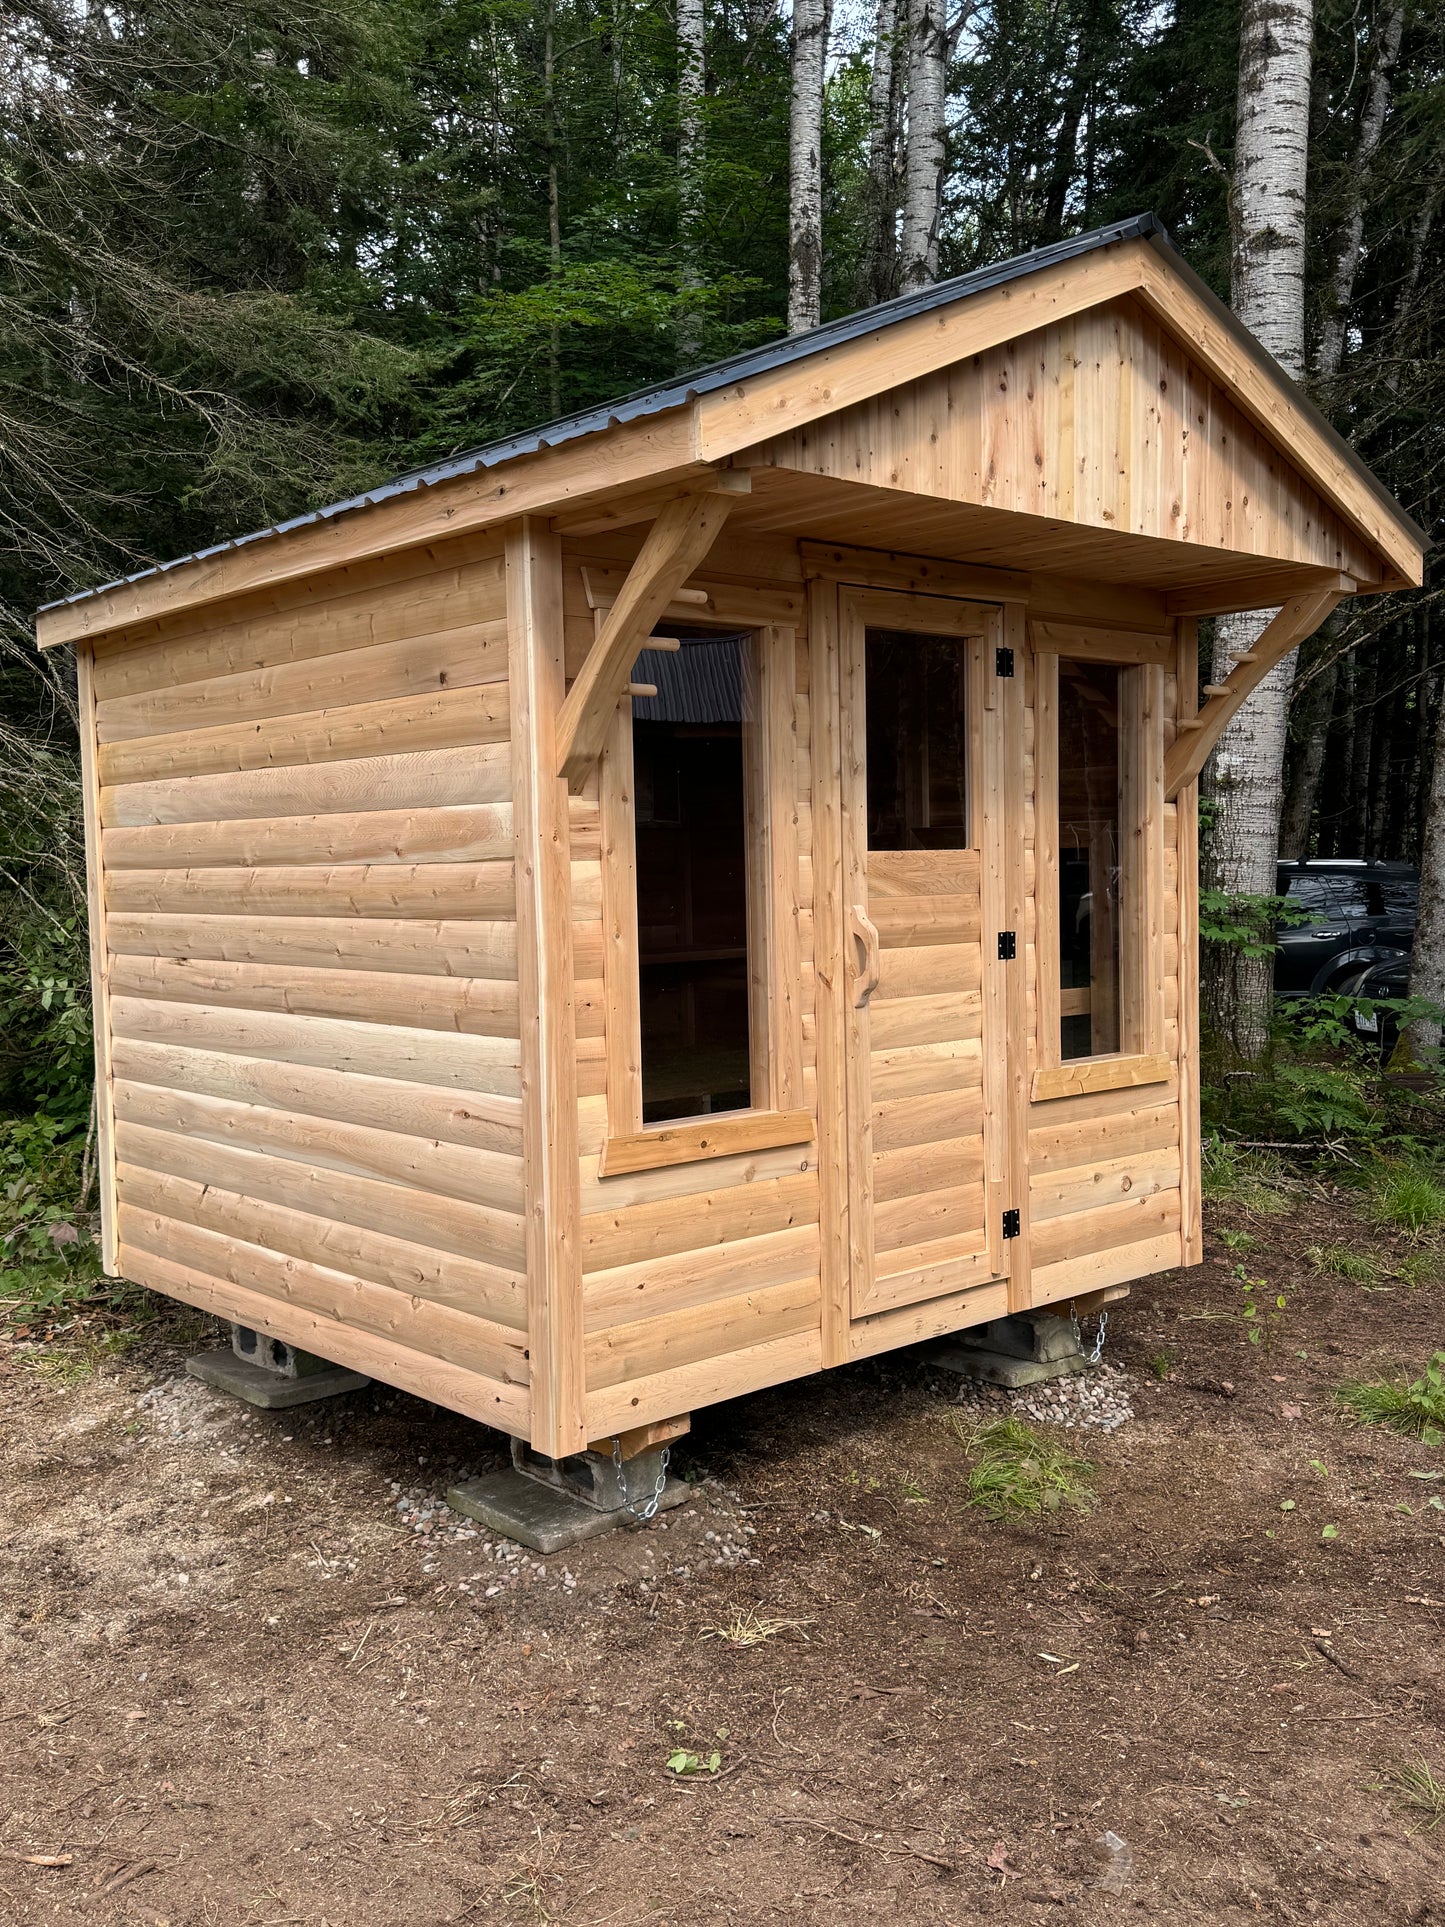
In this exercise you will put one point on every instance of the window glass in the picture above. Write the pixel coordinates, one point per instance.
(692, 896)
(1329, 896)
(1089, 858)
(917, 760)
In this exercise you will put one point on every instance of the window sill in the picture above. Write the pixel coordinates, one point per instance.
(727, 1134)
(1083, 1075)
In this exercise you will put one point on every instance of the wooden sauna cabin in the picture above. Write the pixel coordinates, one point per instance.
(706, 890)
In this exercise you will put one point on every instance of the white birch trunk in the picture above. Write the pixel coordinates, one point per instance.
(805, 165)
(1268, 288)
(927, 132)
(690, 137)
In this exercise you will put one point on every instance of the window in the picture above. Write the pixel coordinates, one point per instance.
(1337, 898)
(701, 1030)
(1101, 901)
(692, 877)
(917, 765)
(1089, 859)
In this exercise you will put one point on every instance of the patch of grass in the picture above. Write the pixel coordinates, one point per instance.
(1254, 1181)
(1360, 1267)
(1419, 1268)
(1161, 1364)
(1418, 1790)
(748, 1627)
(1408, 1198)
(1018, 1474)
(1236, 1240)
(1417, 1409)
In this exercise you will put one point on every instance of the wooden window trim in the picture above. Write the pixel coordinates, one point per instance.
(1141, 950)
(770, 786)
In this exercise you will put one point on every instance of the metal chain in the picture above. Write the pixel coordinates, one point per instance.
(648, 1509)
(1097, 1353)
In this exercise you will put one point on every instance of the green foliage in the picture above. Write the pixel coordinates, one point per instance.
(1255, 1181)
(1408, 1198)
(1341, 1262)
(1244, 923)
(1261, 1318)
(1419, 1789)
(1417, 1409)
(1018, 1474)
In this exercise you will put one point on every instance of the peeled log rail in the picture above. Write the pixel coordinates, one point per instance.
(1299, 618)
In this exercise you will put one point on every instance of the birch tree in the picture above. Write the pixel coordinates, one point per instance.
(691, 58)
(805, 164)
(1267, 292)
(927, 137)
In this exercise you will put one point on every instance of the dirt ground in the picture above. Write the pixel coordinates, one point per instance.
(251, 1673)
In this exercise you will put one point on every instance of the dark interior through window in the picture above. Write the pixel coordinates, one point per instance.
(917, 741)
(692, 898)
(1089, 858)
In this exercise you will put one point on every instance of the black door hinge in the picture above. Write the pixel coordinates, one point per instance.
(1008, 947)
(1003, 662)
(1011, 1224)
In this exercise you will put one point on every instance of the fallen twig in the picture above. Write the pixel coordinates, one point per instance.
(127, 1875)
(873, 1846)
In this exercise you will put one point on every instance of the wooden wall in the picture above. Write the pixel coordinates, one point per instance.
(1101, 421)
(707, 1279)
(700, 1281)
(301, 814)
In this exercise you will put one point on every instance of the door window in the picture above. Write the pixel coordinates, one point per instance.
(917, 742)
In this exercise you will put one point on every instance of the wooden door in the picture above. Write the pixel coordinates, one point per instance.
(923, 853)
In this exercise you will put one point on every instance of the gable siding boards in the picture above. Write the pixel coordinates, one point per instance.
(309, 938)
(1101, 420)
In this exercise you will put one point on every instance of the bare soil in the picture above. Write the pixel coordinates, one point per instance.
(244, 1678)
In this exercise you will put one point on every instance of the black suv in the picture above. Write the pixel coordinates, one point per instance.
(1361, 928)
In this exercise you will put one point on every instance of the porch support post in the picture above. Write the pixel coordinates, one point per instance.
(544, 981)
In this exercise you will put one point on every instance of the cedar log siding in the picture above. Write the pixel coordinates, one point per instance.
(308, 965)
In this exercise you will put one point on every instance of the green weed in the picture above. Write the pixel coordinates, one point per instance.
(1408, 1198)
(1418, 1268)
(1417, 1409)
(1358, 1266)
(1236, 1240)
(1255, 1181)
(1018, 1474)
(1417, 1790)
(1161, 1364)
(1261, 1319)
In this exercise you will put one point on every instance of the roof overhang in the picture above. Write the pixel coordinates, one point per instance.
(675, 434)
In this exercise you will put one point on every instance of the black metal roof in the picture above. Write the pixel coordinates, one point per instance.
(685, 387)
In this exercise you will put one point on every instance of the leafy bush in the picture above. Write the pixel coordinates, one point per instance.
(1018, 1474)
(1417, 1409)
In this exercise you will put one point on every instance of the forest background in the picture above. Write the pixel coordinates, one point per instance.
(255, 257)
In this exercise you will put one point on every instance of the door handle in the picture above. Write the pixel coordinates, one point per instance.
(864, 933)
